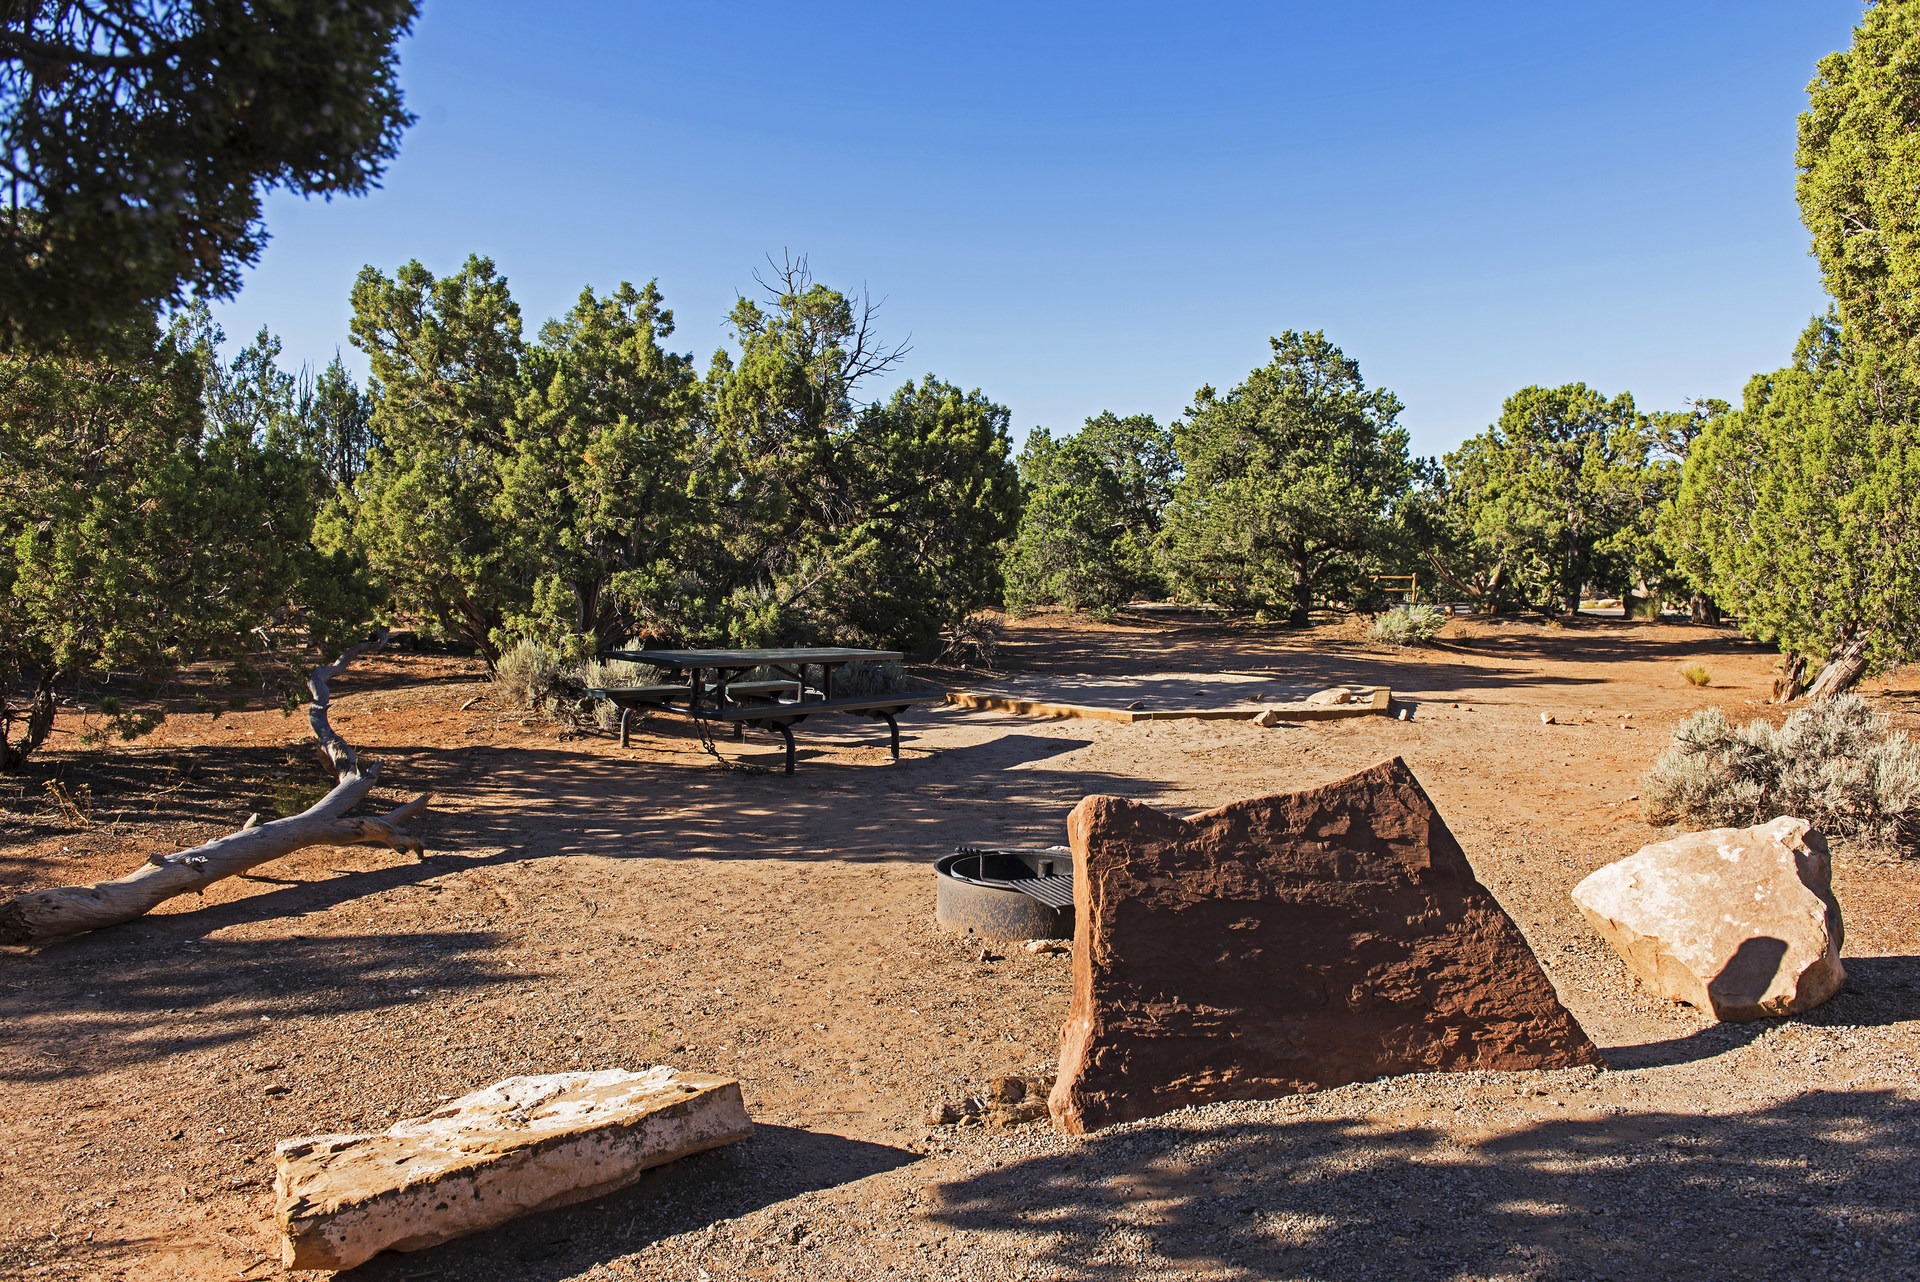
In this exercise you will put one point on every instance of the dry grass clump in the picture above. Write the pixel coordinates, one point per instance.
(1414, 626)
(973, 642)
(1837, 764)
(886, 677)
(1697, 674)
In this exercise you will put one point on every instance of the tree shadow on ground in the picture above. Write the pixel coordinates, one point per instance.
(1012, 788)
(1879, 991)
(209, 784)
(1298, 663)
(777, 1163)
(1819, 1186)
(115, 999)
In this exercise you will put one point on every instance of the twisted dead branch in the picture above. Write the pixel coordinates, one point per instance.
(43, 915)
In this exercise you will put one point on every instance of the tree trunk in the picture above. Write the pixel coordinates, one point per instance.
(1701, 609)
(43, 915)
(1300, 614)
(1792, 681)
(39, 723)
(1844, 668)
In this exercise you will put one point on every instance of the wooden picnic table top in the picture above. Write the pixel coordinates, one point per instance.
(752, 658)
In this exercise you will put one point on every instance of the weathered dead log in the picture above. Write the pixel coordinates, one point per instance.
(1844, 668)
(42, 915)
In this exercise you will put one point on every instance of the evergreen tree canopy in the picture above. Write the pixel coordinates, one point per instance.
(1094, 506)
(138, 136)
(594, 480)
(1859, 163)
(1560, 493)
(445, 355)
(137, 530)
(1289, 481)
(1802, 509)
(588, 488)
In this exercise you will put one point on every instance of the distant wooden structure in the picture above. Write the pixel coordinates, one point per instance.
(1402, 589)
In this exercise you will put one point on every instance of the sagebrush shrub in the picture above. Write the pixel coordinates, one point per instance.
(615, 672)
(1837, 764)
(1415, 625)
(531, 676)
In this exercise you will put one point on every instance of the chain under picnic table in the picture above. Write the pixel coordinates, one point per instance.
(706, 741)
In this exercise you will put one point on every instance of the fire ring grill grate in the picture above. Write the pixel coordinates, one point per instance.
(1006, 893)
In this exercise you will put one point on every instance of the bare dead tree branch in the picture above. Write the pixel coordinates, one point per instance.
(41, 916)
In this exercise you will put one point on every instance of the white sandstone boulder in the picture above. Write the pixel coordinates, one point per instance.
(1739, 922)
(526, 1144)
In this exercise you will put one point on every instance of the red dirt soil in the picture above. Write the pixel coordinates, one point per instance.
(589, 907)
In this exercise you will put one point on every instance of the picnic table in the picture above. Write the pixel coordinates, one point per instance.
(714, 685)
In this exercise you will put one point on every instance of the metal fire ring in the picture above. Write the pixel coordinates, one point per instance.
(1006, 893)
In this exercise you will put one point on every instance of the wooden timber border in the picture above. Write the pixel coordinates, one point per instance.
(1380, 703)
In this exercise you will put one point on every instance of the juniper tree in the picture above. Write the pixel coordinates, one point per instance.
(137, 138)
(594, 475)
(1094, 505)
(1802, 510)
(445, 355)
(136, 531)
(1289, 480)
(1557, 495)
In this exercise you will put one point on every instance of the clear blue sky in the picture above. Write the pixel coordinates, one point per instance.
(1088, 207)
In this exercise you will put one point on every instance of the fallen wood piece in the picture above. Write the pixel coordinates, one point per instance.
(39, 916)
(522, 1145)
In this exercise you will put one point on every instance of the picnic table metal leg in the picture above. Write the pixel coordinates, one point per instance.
(739, 732)
(893, 731)
(786, 732)
(624, 714)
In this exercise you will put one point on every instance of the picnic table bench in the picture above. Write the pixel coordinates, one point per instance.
(715, 691)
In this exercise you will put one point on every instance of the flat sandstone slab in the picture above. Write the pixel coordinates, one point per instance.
(1289, 943)
(522, 1145)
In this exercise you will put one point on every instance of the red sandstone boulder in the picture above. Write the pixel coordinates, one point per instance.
(1286, 944)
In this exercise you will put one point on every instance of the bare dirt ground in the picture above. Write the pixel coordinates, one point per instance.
(592, 907)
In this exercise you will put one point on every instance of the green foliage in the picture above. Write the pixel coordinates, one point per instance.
(1095, 503)
(820, 519)
(532, 676)
(1564, 491)
(589, 488)
(594, 476)
(445, 355)
(934, 498)
(1859, 163)
(142, 523)
(1289, 482)
(140, 135)
(331, 423)
(1836, 763)
(1802, 510)
(1414, 626)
